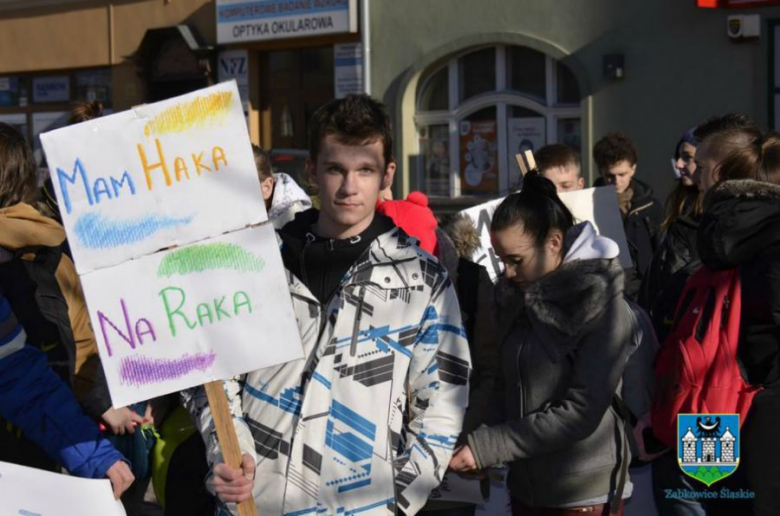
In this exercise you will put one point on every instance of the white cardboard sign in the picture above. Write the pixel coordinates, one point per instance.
(158, 175)
(190, 315)
(596, 205)
(214, 303)
(32, 492)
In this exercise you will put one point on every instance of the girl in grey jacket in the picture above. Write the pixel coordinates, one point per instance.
(565, 335)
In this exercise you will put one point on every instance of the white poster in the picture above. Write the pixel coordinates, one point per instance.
(193, 314)
(348, 75)
(157, 203)
(524, 134)
(158, 175)
(32, 492)
(596, 205)
(260, 20)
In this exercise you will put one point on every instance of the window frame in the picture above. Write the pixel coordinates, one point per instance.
(502, 99)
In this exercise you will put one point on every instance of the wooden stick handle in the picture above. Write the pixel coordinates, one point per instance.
(226, 435)
(529, 157)
(521, 164)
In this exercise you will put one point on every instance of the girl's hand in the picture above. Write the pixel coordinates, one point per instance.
(463, 460)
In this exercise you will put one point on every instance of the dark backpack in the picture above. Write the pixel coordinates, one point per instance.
(35, 297)
(38, 303)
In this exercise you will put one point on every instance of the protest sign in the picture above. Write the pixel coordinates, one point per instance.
(159, 205)
(600, 207)
(169, 173)
(33, 492)
(596, 205)
(190, 315)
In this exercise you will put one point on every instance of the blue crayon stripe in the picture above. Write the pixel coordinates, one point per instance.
(95, 231)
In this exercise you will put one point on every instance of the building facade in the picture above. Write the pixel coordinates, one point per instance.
(469, 84)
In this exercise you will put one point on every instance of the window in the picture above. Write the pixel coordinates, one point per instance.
(476, 73)
(484, 106)
(35, 103)
(436, 95)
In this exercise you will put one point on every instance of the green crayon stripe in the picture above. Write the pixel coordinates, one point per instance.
(206, 257)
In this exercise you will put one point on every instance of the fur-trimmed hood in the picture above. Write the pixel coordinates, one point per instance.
(565, 302)
(741, 220)
(568, 299)
(461, 230)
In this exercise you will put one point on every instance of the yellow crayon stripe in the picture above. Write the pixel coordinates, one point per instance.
(199, 112)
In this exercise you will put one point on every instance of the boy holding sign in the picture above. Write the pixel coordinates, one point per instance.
(366, 421)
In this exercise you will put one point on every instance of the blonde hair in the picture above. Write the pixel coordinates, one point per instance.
(758, 160)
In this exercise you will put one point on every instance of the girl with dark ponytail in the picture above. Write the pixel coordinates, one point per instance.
(565, 333)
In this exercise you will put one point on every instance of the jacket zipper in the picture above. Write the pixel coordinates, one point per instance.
(303, 265)
(520, 389)
(356, 324)
(521, 397)
(638, 209)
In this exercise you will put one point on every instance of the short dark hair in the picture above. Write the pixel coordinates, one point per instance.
(724, 123)
(262, 162)
(18, 173)
(353, 120)
(614, 148)
(556, 155)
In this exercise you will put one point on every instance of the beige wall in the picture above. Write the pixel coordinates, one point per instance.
(54, 38)
(96, 33)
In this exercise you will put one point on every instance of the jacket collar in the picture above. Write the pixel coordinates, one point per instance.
(643, 197)
(392, 261)
(741, 220)
(563, 304)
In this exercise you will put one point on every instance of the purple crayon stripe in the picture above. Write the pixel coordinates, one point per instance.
(145, 370)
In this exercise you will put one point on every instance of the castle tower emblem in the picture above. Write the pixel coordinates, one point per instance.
(708, 445)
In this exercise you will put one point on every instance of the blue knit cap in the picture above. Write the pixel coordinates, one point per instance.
(687, 137)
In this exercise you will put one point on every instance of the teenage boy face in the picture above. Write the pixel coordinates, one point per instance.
(349, 178)
(566, 179)
(620, 175)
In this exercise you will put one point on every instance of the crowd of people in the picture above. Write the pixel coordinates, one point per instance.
(417, 367)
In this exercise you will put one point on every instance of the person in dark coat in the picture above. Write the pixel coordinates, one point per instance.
(683, 209)
(616, 158)
(717, 138)
(740, 229)
(565, 333)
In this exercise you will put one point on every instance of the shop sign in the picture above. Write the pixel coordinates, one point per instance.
(348, 73)
(51, 89)
(242, 20)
